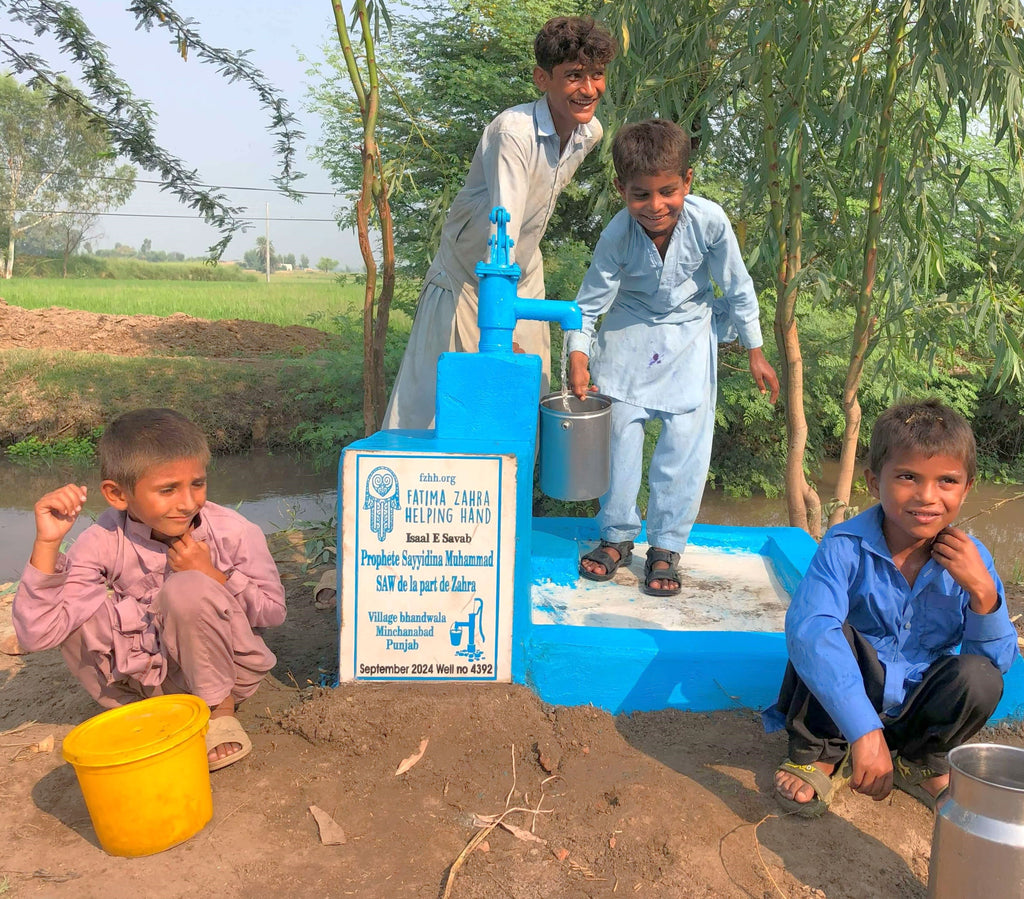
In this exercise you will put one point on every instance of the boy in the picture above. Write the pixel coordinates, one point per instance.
(653, 272)
(165, 593)
(875, 691)
(525, 158)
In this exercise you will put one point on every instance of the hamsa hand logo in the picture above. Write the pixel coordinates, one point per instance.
(382, 500)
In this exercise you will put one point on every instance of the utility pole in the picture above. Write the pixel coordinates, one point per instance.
(267, 247)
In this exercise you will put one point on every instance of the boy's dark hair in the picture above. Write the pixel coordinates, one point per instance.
(650, 148)
(573, 39)
(136, 441)
(924, 426)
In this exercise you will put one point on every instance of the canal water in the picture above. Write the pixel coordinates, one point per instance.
(276, 491)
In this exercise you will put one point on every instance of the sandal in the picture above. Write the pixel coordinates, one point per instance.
(907, 776)
(825, 787)
(601, 556)
(661, 574)
(227, 729)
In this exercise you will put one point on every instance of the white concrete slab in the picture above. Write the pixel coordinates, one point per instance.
(722, 590)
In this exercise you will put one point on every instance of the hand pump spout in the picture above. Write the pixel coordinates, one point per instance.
(499, 306)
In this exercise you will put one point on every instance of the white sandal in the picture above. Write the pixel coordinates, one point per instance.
(226, 729)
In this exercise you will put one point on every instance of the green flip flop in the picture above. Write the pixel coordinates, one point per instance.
(907, 777)
(824, 786)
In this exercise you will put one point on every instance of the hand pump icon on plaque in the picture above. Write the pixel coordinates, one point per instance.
(470, 626)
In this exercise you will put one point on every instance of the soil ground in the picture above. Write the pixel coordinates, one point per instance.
(666, 804)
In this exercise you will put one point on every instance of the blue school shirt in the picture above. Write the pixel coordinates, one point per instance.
(657, 345)
(852, 578)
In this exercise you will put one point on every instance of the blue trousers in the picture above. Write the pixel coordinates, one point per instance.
(678, 472)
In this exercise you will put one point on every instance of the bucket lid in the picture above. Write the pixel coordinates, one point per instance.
(135, 731)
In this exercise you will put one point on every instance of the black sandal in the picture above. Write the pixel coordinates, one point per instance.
(661, 574)
(601, 556)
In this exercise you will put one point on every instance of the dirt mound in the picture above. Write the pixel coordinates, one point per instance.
(151, 335)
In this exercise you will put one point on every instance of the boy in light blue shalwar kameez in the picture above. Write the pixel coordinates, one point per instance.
(654, 274)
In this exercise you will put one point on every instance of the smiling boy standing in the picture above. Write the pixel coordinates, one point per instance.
(525, 158)
(654, 273)
(898, 635)
(165, 592)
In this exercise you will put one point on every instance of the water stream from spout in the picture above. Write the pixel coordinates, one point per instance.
(565, 369)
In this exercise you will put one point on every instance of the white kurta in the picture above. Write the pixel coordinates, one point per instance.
(516, 165)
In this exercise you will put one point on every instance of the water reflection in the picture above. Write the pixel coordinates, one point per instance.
(999, 527)
(273, 490)
(270, 490)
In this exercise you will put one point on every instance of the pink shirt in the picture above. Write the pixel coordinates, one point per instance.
(119, 554)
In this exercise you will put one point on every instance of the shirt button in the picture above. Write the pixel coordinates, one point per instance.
(906, 626)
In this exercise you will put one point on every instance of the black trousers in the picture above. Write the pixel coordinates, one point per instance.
(952, 703)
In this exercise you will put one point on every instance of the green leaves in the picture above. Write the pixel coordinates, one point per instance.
(128, 120)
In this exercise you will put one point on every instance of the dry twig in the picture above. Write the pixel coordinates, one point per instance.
(991, 508)
(487, 823)
(478, 838)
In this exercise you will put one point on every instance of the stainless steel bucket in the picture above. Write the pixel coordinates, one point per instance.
(978, 841)
(575, 455)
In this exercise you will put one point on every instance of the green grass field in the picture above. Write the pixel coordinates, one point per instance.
(284, 301)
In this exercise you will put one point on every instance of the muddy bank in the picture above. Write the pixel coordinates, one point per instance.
(66, 373)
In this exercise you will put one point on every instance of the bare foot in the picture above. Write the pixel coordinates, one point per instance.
(223, 750)
(792, 787)
(596, 567)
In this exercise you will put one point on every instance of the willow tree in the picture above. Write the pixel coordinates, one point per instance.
(129, 121)
(837, 116)
(372, 202)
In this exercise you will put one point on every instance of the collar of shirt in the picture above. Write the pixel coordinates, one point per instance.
(545, 125)
(867, 527)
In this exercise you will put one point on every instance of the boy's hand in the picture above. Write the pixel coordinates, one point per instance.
(55, 514)
(579, 373)
(188, 554)
(57, 511)
(872, 765)
(955, 551)
(763, 374)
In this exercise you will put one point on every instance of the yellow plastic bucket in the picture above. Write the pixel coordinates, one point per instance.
(144, 773)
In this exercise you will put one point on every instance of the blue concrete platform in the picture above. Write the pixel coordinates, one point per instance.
(637, 663)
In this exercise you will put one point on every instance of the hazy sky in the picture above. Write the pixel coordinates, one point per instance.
(219, 128)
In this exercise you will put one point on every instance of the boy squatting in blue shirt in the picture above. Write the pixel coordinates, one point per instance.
(875, 692)
(653, 272)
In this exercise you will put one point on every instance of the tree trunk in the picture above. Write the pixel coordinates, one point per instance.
(374, 191)
(802, 502)
(864, 320)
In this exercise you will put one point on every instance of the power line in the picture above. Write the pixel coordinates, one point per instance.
(155, 215)
(272, 190)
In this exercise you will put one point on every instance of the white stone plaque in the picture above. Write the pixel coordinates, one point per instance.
(427, 566)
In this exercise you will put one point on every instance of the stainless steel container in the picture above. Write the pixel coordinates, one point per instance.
(575, 440)
(978, 841)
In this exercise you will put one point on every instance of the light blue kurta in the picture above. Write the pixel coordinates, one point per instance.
(657, 346)
(656, 355)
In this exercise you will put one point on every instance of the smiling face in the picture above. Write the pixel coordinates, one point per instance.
(656, 201)
(573, 91)
(920, 495)
(166, 498)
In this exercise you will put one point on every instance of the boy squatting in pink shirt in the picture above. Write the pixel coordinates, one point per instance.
(166, 592)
